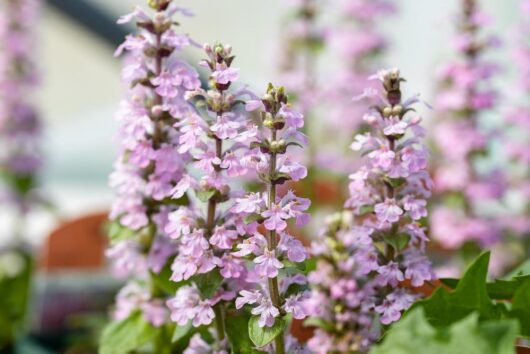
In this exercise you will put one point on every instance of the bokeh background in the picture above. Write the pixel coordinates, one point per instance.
(81, 87)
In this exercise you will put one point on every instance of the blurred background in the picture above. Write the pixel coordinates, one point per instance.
(80, 90)
(81, 83)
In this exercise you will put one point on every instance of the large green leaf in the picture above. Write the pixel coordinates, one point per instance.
(414, 335)
(444, 308)
(262, 336)
(120, 337)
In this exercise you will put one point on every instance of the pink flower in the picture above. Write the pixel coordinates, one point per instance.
(203, 315)
(141, 154)
(275, 218)
(390, 312)
(295, 250)
(294, 304)
(267, 312)
(183, 267)
(226, 127)
(417, 208)
(267, 264)
(194, 244)
(223, 238)
(166, 85)
(295, 170)
(224, 75)
(231, 267)
(249, 204)
(232, 165)
(390, 274)
(388, 211)
(292, 118)
(181, 222)
(417, 268)
(382, 157)
(248, 297)
(252, 245)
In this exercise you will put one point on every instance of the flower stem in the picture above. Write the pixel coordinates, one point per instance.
(210, 224)
(271, 244)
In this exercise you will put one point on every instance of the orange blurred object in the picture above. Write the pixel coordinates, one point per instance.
(76, 244)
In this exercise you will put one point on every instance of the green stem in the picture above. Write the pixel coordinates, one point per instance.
(271, 245)
(210, 224)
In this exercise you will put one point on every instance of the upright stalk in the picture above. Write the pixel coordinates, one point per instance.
(210, 224)
(271, 240)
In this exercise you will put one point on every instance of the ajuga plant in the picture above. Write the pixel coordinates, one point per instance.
(279, 291)
(359, 46)
(147, 171)
(216, 136)
(20, 127)
(517, 143)
(462, 184)
(370, 257)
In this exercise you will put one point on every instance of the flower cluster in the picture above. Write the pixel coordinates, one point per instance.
(217, 142)
(371, 256)
(272, 249)
(464, 96)
(20, 127)
(149, 166)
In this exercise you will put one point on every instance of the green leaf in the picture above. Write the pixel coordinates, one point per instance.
(236, 330)
(120, 337)
(521, 307)
(208, 283)
(181, 332)
(499, 289)
(395, 182)
(205, 195)
(414, 335)
(118, 233)
(262, 336)
(398, 242)
(444, 308)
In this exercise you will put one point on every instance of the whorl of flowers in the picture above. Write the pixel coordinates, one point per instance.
(371, 256)
(273, 251)
(20, 127)
(209, 230)
(149, 167)
(464, 96)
